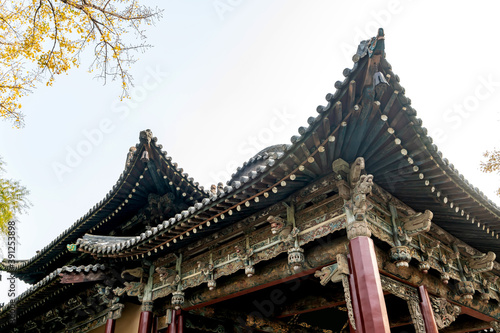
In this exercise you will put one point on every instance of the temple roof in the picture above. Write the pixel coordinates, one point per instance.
(386, 131)
(360, 119)
(35, 297)
(148, 171)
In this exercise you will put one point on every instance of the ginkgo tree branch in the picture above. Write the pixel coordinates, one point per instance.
(43, 38)
(492, 164)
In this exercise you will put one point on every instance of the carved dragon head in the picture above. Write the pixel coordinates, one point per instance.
(277, 224)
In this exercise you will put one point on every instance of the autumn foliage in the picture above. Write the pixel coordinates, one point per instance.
(40, 39)
(13, 200)
(492, 164)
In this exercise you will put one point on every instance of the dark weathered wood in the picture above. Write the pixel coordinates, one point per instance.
(274, 273)
(312, 303)
(340, 140)
(466, 327)
(374, 132)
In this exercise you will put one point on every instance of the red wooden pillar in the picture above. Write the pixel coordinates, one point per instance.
(426, 309)
(155, 325)
(145, 322)
(110, 326)
(172, 328)
(180, 321)
(366, 276)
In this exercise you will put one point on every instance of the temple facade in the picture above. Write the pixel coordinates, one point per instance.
(358, 225)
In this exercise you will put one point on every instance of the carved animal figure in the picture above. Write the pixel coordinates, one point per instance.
(213, 191)
(359, 200)
(130, 156)
(205, 268)
(356, 168)
(169, 276)
(445, 313)
(482, 263)
(131, 288)
(243, 254)
(325, 275)
(146, 136)
(279, 225)
(417, 223)
(135, 272)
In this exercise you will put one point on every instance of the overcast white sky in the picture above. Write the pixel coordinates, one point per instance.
(226, 78)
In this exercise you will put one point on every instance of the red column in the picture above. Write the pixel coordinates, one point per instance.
(366, 278)
(155, 325)
(172, 328)
(110, 326)
(180, 321)
(426, 309)
(145, 322)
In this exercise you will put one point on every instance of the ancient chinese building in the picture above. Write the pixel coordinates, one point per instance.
(358, 225)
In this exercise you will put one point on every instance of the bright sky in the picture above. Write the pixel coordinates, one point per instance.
(226, 78)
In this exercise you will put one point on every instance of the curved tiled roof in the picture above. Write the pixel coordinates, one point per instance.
(387, 133)
(120, 200)
(20, 301)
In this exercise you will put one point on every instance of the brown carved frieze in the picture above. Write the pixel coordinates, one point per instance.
(445, 312)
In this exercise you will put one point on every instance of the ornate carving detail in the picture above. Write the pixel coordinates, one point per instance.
(416, 316)
(427, 251)
(167, 275)
(207, 270)
(399, 289)
(360, 203)
(348, 301)
(401, 255)
(356, 203)
(296, 257)
(30, 325)
(131, 288)
(145, 137)
(480, 264)
(245, 256)
(135, 272)
(177, 299)
(130, 156)
(358, 228)
(333, 272)
(444, 312)
(280, 226)
(445, 277)
(495, 325)
(418, 223)
(72, 248)
(466, 289)
(147, 306)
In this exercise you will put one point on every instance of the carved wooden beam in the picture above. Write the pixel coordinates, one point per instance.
(275, 272)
